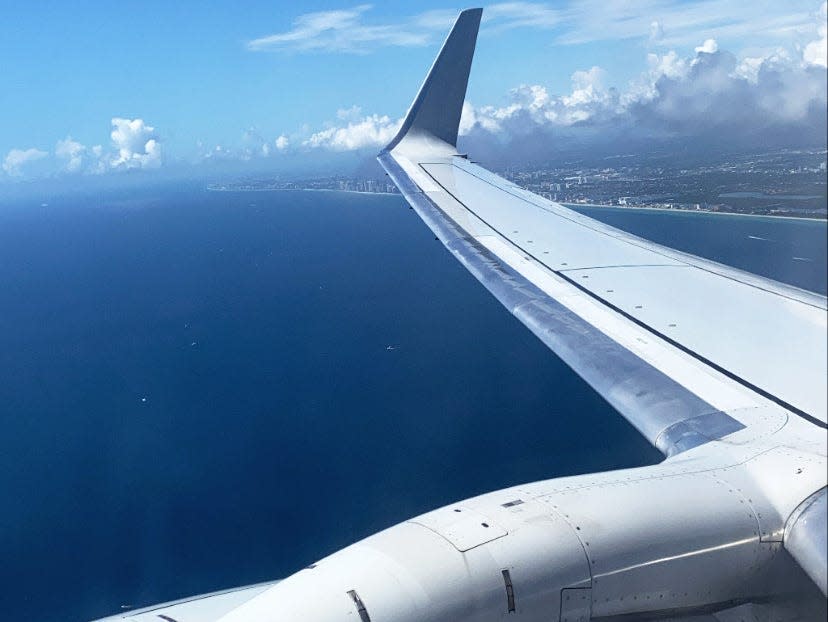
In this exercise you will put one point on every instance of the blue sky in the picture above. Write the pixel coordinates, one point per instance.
(93, 87)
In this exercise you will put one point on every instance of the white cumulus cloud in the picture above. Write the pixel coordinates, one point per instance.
(369, 131)
(708, 47)
(816, 52)
(17, 159)
(282, 143)
(136, 143)
(531, 106)
(710, 97)
(72, 153)
(588, 87)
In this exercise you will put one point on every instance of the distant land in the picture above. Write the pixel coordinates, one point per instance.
(778, 183)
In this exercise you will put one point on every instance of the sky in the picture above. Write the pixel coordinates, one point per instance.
(95, 89)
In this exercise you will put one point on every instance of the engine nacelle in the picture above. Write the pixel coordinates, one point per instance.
(680, 538)
(451, 564)
(640, 542)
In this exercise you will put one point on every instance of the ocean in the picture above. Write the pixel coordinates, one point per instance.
(202, 390)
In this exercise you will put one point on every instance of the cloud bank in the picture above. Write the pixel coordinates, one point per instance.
(709, 100)
(135, 145)
(17, 160)
(361, 132)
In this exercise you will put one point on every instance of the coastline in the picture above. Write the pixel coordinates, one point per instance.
(299, 190)
(688, 211)
(565, 204)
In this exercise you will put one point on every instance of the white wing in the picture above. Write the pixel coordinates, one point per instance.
(686, 349)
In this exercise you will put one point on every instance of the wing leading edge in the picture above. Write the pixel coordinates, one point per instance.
(686, 349)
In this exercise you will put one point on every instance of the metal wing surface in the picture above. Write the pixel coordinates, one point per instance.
(686, 349)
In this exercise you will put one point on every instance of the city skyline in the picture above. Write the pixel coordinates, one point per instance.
(776, 183)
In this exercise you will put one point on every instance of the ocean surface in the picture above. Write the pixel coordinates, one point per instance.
(201, 390)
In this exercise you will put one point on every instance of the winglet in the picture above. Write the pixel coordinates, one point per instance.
(437, 108)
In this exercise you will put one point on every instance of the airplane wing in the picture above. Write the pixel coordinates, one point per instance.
(686, 349)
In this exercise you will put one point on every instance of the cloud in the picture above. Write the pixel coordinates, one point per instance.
(656, 30)
(72, 152)
(282, 143)
(588, 88)
(18, 159)
(669, 64)
(254, 146)
(349, 114)
(136, 143)
(708, 47)
(353, 31)
(509, 15)
(766, 98)
(719, 93)
(749, 67)
(78, 158)
(680, 22)
(532, 107)
(342, 31)
(711, 99)
(367, 132)
(815, 52)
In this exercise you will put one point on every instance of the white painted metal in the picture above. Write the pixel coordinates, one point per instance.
(673, 297)
(204, 608)
(683, 302)
(805, 537)
(722, 370)
(680, 537)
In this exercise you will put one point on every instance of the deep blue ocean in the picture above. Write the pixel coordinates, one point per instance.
(197, 390)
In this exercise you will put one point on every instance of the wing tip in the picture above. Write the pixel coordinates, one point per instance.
(438, 105)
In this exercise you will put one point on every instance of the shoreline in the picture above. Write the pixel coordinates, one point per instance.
(565, 204)
(691, 211)
(301, 190)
